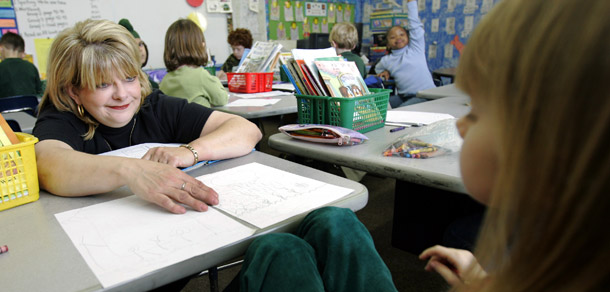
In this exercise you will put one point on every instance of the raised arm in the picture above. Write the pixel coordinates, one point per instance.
(416, 27)
(66, 172)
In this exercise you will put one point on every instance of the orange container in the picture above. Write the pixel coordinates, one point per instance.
(250, 82)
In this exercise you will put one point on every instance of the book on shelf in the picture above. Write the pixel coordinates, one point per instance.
(262, 58)
(342, 78)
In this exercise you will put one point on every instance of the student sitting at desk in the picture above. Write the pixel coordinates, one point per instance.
(240, 40)
(344, 38)
(545, 178)
(406, 62)
(142, 46)
(17, 76)
(98, 99)
(184, 57)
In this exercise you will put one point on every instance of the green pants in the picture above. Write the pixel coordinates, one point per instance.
(331, 251)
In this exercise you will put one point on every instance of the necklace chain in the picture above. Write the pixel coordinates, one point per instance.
(130, 134)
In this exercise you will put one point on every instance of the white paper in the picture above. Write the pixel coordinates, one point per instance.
(415, 117)
(253, 102)
(137, 151)
(126, 238)
(263, 195)
(262, 94)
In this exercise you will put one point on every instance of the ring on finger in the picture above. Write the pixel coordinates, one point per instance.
(183, 186)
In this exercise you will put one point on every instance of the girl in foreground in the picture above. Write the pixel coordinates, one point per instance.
(545, 177)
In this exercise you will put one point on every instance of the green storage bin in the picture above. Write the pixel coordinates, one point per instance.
(211, 70)
(362, 113)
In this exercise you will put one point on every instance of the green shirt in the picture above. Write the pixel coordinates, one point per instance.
(19, 77)
(195, 85)
(359, 63)
(230, 63)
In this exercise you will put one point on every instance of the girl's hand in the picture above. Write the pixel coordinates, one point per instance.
(456, 266)
(169, 187)
(173, 156)
(385, 75)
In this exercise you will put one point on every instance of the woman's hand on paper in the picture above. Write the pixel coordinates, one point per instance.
(170, 187)
(456, 266)
(173, 156)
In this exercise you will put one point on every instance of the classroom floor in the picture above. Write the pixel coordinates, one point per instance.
(407, 270)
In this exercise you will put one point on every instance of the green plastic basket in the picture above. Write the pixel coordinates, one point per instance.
(362, 113)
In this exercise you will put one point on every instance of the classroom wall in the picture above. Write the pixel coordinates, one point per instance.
(39, 19)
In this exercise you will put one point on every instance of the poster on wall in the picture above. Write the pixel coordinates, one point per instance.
(219, 6)
(293, 20)
(8, 20)
(315, 9)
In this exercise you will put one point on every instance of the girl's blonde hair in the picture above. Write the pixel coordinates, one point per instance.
(543, 67)
(86, 55)
(184, 45)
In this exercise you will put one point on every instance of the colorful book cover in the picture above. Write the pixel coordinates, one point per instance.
(342, 78)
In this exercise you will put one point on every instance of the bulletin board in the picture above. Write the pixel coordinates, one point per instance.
(293, 20)
(8, 19)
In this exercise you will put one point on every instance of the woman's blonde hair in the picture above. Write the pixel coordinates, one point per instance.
(184, 45)
(544, 67)
(345, 35)
(86, 55)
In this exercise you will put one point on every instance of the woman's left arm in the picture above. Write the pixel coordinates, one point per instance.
(223, 136)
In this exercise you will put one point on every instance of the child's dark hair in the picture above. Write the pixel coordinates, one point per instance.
(240, 36)
(13, 41)
(184, 45)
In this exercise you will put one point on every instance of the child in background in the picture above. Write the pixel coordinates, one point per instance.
(184, 58)
(344, 38)
(545, 226)
(406, 62)
(239, 39)
(545, 178)
(17, 76)
(142, 46)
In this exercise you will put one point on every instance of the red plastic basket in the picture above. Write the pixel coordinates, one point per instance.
(250, 82)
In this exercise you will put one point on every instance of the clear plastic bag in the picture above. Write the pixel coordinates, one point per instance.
(433, 140)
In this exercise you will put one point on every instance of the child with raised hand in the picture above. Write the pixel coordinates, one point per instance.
(545, 178)
(184, 58)
(17, 76)
(406, 62)
(344, 38)
(239, 39)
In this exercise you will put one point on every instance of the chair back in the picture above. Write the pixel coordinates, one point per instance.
(20, 103)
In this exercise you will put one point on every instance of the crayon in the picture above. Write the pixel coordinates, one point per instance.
(397, 129)
(3, 249)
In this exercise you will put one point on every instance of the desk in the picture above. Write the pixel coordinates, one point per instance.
(444, 72)
(42, 257)
(26, 121)
(440, 92)
(429, 193)
(286, 105)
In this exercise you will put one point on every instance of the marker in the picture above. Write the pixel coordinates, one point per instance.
(397, 129)
(3, 249)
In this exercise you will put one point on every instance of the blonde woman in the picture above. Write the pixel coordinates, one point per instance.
(545, 178)
(98, 99)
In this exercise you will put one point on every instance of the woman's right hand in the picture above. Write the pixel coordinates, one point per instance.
(456, 266)
(385, 75)
(163, 185)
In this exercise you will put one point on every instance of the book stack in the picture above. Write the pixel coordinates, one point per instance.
(7, 136)
(320, 72)
(262, 57)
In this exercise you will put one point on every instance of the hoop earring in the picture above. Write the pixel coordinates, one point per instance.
(81, 110)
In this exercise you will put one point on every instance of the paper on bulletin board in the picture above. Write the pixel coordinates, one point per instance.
(43, 47)
(315, 9)
(219, 6)
(5, 3)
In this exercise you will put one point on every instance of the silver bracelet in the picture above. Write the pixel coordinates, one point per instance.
(195, 154)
